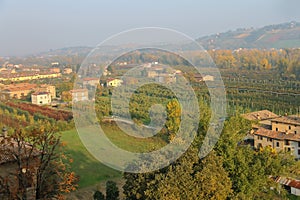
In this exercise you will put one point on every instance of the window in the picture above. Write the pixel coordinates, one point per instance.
(290, 127)
(295, 132)
(259, 137)
(298, 144)
(269, 139)
(277, 144)
(298, 151)
(287, 142)
(276, 129)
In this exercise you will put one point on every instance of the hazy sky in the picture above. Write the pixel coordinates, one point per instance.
(32, 26)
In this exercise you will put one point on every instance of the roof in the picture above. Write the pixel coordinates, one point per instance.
(260, 115)
(294, 120)
(40, 93)
(288, 182)
(19, 87)
(111, 79)
(277, 135)
(78, 90)
(90, 79)
(9, 148)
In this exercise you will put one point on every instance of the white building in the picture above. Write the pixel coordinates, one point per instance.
(41, 98)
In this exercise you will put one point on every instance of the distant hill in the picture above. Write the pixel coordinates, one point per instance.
(69, 51)
(286, 35)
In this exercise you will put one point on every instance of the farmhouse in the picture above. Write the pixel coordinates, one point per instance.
(283, 135)
(41, 98)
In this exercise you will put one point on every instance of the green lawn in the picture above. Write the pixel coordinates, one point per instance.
(90, 170)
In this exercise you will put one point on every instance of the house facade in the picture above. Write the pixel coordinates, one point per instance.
(90, 82)
(114, 82)
(16, 91)
(283, 135)
(41, 98)
(79, 94)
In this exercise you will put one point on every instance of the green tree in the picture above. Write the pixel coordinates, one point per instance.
(98, 195)
(112, 191)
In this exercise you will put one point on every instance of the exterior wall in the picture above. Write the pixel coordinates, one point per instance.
(7, 169)
(67, 71)
(278, 145)
(48, 88)
(41, 99)
(115, 83)
(80, 95)
(91, 82)
(5, 95)
(208, 78)
(295, 191)
(285, 127)
(31, 77)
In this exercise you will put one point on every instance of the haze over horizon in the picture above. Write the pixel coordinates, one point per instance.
(32, 26)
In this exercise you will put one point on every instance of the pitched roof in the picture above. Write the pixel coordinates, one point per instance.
(295, 120)
(40, 93)
(260, 115)
(277, 135)
(78, 90)
(19, 87)
(288, 182)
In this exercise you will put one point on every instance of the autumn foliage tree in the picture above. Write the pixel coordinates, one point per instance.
(38, 164)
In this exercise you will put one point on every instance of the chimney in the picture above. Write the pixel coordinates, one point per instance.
(4, 132)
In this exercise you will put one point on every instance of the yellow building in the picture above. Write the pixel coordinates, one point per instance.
(114, 82)
(16, 91)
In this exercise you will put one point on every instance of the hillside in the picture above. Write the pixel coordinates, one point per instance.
(286, 35)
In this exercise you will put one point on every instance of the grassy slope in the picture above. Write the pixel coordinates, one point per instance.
(92, 171)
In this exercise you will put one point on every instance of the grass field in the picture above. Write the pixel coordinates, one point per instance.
(90, 170)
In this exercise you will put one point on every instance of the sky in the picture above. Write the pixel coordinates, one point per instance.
(33, 26)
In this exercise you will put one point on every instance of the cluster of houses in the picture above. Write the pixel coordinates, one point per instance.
(281, 133)
(20, 73)
(40, 94)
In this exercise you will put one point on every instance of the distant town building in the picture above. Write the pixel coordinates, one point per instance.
(16, 91)
(79, 94)
(114, 82)
(208, 78)
(55, 70)
(41, 98)
(67, 71)
(90, 82)
(22, 90)
(47, 88)
(200, 78)
(24, 76)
